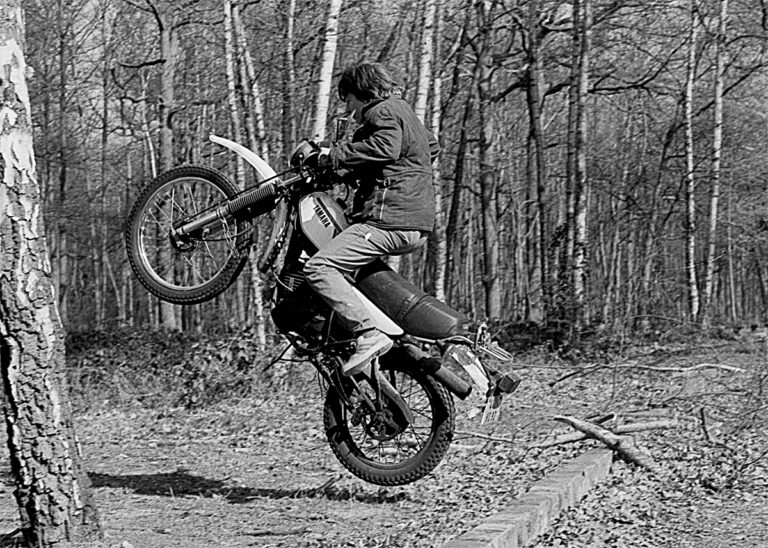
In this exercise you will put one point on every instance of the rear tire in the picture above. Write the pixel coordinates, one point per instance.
(400, 455)
(204, 266)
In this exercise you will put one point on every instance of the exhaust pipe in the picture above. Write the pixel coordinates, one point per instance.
(432, 366)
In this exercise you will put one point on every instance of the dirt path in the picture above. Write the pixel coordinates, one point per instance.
(258, 472)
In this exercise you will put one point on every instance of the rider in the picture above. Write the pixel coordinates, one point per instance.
(393, 209)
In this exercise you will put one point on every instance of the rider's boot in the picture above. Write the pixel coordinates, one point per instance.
(370, 344)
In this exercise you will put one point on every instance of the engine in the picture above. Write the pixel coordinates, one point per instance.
(298, 308)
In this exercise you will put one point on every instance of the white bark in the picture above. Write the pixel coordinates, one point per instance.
(425, 60)
(257, 105)
(50, 484)
(690, 228)
(326, 71)
(441, 240)
(584, 19)
(717, 144)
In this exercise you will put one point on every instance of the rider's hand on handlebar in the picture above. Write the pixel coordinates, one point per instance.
(324, 158)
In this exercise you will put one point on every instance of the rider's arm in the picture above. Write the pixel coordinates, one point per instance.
(382, 146)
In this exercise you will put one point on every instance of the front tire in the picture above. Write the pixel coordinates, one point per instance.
(392, 455)
(200, 268)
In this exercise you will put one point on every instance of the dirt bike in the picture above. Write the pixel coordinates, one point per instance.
(188, 236)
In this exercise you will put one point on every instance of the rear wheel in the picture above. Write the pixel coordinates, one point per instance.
(378, 445)
(202, 265)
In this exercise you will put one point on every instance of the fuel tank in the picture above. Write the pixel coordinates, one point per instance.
(320, 218)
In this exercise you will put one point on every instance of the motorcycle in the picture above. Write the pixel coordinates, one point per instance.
(188, 237)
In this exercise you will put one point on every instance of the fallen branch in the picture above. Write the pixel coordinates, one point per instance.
(483, 436)
(731, 368)
(623, 446)
(620, 429)
(278, 531)
(593, 368)
(581, 371)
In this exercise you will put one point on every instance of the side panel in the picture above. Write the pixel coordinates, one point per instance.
(381, 320)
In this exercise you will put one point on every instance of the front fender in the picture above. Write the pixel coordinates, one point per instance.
(263, 170)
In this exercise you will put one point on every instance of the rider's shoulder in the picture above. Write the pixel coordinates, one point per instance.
(391, 107)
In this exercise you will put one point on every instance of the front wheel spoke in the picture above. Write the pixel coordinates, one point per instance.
(193, 270)
(161, 209)
(160, 223)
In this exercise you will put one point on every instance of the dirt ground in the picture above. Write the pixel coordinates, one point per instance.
(258, 472)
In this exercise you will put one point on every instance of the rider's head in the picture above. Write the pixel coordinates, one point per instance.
(368, 82)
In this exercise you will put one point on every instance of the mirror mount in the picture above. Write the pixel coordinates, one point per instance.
(342, 124)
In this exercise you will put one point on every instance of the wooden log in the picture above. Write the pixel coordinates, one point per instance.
(620, 429)
(623, 446)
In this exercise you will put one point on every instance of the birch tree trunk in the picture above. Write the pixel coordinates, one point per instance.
(234, 114)
(425, 60)
(289, 80)
(539, 292)
(690, 186)
(51, 487)
(168, 51)
(490, 239)
(717, 144)
(583, 17)
(62, 278)
(423, 84)
(259, 144)
(256, 137)
(453, 236)
(438, 242)
(326, 71)
(234, 117)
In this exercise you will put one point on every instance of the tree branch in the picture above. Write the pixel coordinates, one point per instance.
(623, 446)
(620, 429)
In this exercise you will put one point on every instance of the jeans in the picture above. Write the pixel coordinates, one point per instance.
(357, 246)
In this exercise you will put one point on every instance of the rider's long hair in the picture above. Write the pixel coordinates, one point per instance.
(367, 82)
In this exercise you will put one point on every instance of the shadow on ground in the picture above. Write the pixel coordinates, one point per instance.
(179, 483)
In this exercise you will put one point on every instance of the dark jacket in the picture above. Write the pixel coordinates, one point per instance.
(391, 155)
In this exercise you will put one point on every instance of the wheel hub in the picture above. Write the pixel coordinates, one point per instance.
(181, 242)
(382, 426)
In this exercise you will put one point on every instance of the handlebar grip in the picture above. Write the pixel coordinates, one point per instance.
(254, 196)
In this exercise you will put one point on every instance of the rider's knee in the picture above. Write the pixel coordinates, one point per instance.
(314, 269)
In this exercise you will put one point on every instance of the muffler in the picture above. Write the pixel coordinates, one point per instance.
(455, 384)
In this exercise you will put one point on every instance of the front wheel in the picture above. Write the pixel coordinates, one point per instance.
(378, 445)
(203, 265)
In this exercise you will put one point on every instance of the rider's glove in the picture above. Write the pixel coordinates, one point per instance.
(324, 158)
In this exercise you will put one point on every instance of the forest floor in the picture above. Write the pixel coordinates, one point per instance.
(257, 471)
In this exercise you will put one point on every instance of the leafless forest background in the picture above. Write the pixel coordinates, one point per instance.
(603, 161)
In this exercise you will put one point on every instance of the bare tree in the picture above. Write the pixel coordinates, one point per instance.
(582, 32)
(717, 148)
(325, 75)
(288, 121)
(690, 225)
(52, 490)
(438, 242)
